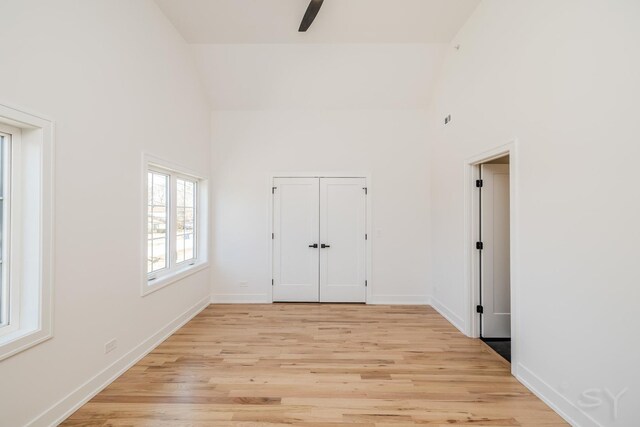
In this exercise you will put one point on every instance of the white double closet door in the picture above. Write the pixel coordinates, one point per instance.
(319, 246)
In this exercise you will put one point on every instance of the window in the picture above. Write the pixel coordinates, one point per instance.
(174, 230)
(8, 312)
(26, 230)
(157, 221)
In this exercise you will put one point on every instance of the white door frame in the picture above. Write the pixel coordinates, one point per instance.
(472, 228)
(368, 219)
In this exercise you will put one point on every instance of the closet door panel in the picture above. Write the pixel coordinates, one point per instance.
(342, 233)
(296, 228)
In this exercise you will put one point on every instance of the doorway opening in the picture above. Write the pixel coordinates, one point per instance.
(493, 254)
(491, 272)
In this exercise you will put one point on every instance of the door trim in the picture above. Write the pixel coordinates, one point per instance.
(368, 220)
(471, 232)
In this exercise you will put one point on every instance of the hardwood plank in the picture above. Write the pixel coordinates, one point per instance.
(317, 365)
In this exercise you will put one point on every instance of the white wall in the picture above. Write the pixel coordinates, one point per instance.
(117, 79)
(248, 146)
(319, 76)
(319, 108)
(562, 78)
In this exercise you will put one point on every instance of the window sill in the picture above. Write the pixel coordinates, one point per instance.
(175, 276)
(20, 340)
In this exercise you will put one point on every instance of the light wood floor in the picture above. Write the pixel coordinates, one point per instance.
(317, 365)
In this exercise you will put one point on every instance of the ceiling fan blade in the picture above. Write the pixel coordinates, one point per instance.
(310, 15)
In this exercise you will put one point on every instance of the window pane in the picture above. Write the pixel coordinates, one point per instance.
(189, 194)
(186, 193)
(159, 221)
(188, 246)
(158, 215)
(185, 216)
(188, 220)
(149, 257)
(180, 220)
(159, 259)
(180, 248)
(180, 193)
(159, 189)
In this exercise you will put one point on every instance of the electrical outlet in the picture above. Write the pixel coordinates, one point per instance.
(110, 346)
(243, 284)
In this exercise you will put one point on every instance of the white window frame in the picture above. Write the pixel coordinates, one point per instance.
(29, 232)
(10, 287)
(175, 271)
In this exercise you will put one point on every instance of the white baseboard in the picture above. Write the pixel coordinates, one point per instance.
(556, 401)
(266, 299)
(448, 314)
(74, 400)
(398, 300)
(372, 299)
(240, 299)
(560, 404)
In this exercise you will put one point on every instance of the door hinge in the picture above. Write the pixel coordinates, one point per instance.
(479, 309)
(273, 190)
(366, 236)
(366, 190)
(273, 236)
(479, 183)
(365, 284)
(479, 246)
(271, 282)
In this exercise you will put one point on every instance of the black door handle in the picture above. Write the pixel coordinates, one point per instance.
(314, 246)
(325, 246)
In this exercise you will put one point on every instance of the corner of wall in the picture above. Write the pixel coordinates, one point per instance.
(81, 395)
(448, 314)
(560, 404)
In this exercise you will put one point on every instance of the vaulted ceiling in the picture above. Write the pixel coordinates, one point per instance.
(339, 21)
